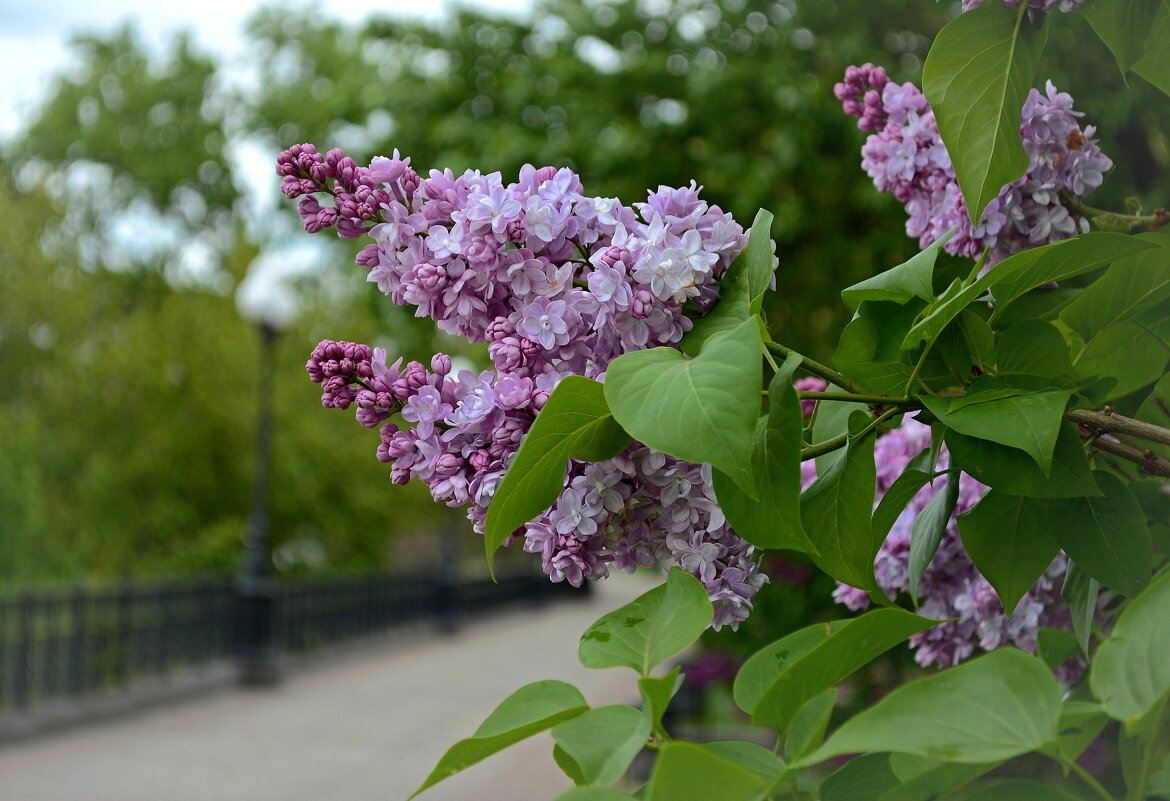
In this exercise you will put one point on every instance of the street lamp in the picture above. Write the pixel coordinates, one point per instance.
(267, 300)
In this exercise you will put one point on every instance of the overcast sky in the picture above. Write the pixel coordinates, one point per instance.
(33, 35)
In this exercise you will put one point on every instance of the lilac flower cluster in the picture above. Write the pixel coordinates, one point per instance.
(905, 156)
(1033, 5)
(951, 586)
(558, 283)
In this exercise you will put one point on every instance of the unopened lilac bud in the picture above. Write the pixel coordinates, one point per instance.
(544, 174)
(440, 364)
(370, 418)
(399, 475)
(448, 464)
(291, 187)
(349, 229)
(499, 328)
(539, 398)
(415, 375)
(642, 304)
(368, 256)
(480, 460)
(614, 254)
(529, 348)
(410, 183)
(515, 232)
(506, 355)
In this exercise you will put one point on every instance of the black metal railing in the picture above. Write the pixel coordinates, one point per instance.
(60, 644)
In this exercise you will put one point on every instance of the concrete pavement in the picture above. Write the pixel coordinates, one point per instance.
(370, 726)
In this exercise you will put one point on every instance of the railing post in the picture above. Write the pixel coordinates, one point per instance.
(23, 652)
(77, 642)
(255, 589)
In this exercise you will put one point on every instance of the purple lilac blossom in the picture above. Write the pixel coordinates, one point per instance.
(905, 156)
(951, 586)
(1033, 5)
(557, 283)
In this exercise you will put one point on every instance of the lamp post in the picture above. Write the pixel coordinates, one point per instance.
(268, 302)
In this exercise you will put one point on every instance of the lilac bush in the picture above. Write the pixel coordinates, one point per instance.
(906, 157)
(558, 283)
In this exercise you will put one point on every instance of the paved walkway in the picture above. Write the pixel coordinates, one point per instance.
(368, 727)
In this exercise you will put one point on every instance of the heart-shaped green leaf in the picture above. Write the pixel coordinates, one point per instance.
(575, 423)
(702, 409)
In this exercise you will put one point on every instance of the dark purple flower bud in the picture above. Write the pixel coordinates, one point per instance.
(368, 257)
(415, 375)
(515, 232)
(440, 364)
(399, 475)
(539, 398)
(642, 304)
(326, 217)
(506, 354)
(291, 187)
(308, 208)
(529, 348)
(370, 418)
(498, 329)
(431, 277)
(410, 183)
(448, 464)
(480, 460)
(350, 229)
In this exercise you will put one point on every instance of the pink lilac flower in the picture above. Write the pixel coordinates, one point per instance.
(905, 156)
(951, 587)
(1033, 5)
(558, 283)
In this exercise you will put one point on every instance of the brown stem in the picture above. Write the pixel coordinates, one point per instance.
(1149, 462)
(1112, 423)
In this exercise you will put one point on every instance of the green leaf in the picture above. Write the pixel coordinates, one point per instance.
(743, 286)
(928, 530)
(796, 681)
(1058, 261)
(1107, 536)
(1033, 347)
(835, 512)
(689, 772)
(1131, 670)
(870, 349)
(1134, 352)
(1159, 784)
(831, 420)
(650, 629)
(916, 476)
(1012, 472)
(759, 672)
(992, 708)
(1156, 409)
(593, 794)
(976, 77)
(1123, 26)
(773, 521)
(1131, 286)
(929, 779)
(603, 742)
(575, 423)
(808, 726)
(702, 409)
(994, 410)
(1055, 646)
(657, 693)
(531, 709)
(1080, 724)
(911, 279)
(1154, 65)
(863, 778)
(1020, 790)
(1080, 592)
(751, 756)
(1009, 540)
(569, 766)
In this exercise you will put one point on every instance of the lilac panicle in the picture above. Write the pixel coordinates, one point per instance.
(905, 156)
(557, 283)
